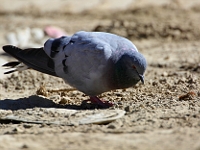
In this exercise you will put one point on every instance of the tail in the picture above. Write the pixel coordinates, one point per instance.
(34, 58)
(16, 66)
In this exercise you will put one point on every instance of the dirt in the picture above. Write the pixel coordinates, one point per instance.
(164, 113)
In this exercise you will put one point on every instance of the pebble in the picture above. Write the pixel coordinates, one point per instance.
(111, 126)
(17, 130)
(65, 100)
(128, 109)
(24, 146)
(27, 126)
(165, 74)
(12, 39)
(37, 34)
(26, 37)
(55, 98)
(23, 36)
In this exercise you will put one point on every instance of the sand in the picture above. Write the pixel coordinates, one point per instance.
(162, 114)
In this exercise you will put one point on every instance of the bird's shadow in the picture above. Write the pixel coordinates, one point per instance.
(37, 101)
(31, 102)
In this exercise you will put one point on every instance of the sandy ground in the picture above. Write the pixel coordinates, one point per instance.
(162, 114)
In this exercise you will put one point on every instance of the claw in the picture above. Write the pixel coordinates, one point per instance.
(101, 103)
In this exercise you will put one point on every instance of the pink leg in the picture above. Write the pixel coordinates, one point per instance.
(102, 103)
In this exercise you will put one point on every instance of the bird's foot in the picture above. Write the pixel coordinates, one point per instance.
(97, 101)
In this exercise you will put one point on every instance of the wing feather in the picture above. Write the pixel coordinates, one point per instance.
(34, 58)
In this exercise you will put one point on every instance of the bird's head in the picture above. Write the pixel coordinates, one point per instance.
(130, 68)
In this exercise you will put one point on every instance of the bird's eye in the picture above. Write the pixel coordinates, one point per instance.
(133, 67)
(71, 42)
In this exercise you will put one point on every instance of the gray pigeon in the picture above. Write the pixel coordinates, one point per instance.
(92, 62)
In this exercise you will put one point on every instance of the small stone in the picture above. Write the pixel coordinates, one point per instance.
(17, 130)
(24, 146)
(128, 109)
(27, 126)
(42, 91)
(55, 98)
(30, 112)
(12, 39)
(165, 74)
(111, 126)
(65, 100)
(37, 34)
(23, 36)
(154, 83)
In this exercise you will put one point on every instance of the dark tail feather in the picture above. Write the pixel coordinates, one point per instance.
(34, 58)
(15, 66)
(11, 71)
(12, 64)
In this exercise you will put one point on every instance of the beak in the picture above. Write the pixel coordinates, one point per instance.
(141, 78)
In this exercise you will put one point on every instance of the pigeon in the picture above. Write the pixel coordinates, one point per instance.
(91, 62)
